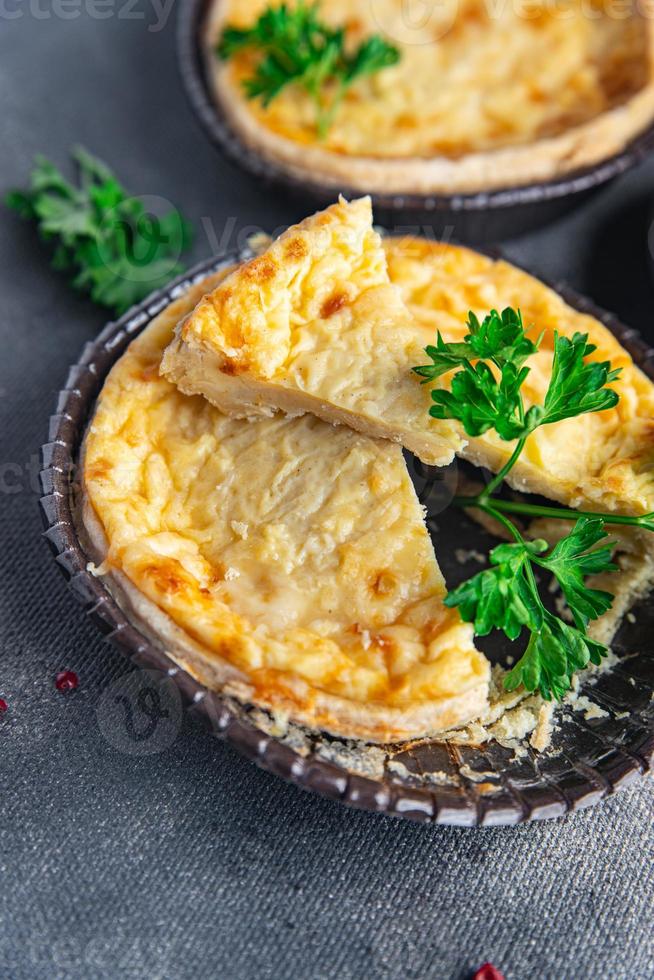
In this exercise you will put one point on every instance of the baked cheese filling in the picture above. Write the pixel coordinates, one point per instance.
(314, 326)
(547, 86)
(283, 560)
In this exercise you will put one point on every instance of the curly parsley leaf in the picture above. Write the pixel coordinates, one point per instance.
(575, 557)
(372, 55)
(107, 241)
(445, 357)
(578, 386)
(499, 337)
(481, 402)
(506, 597)
(296, 47)
(555, 652)
(485, 394)
(501, 597)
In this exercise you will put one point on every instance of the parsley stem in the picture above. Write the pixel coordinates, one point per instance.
(514, 532)
(325, 113)
(499, 477)
(645, 521)
(509, 525)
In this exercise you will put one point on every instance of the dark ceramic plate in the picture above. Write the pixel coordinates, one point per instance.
(475, 786)
(481, 217)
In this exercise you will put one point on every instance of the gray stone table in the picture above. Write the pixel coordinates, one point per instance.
(191, 863)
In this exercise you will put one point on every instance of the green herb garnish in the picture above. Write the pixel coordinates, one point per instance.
(112, 246)
(485, 394)
(296, 47)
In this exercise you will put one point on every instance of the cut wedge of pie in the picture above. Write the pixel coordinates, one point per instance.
(283, 561)
(314, 325)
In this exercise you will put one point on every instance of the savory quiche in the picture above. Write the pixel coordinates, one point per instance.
(281, 560)
(484, 95)
(313, 325)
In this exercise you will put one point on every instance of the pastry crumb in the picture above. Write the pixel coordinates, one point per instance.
(464, 555)
(481, 778)
(541, 737)
(517, 723)
(590, 709)
(97, 571)
(366, 760)
(398, 769)
(440, 778)
(259, 242)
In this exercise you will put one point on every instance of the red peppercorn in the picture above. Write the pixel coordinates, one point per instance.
(488, 972)
(66, 680)
(3, 706)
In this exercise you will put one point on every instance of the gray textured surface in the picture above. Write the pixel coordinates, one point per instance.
(189, 862)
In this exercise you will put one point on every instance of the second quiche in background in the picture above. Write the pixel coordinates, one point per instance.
(405, 97)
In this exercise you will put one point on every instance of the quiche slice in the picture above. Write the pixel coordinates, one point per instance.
(283, 561)
(314, 325)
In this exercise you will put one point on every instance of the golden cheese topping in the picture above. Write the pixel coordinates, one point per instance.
(604, 460)
(291, 556)
(474, 77)
(314, 325)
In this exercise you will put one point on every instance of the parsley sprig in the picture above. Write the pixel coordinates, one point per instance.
(482, 401)
(296, 47)
(485, 394)
(107, 241)
(506, 597)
